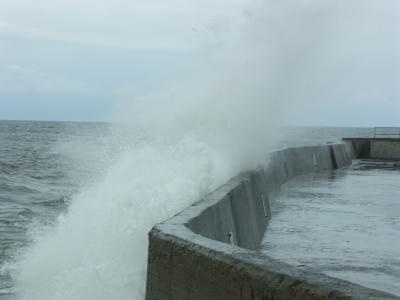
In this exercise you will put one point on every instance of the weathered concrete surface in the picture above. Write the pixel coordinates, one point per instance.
(385, 150)
(183, 265)
(208, 250)
(375, 148)
(361, 148)
(341, 155)
(239, 214)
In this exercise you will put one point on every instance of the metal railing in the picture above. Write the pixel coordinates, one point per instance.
(387, 132)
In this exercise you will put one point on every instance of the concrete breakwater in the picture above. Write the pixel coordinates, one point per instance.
(375, 148)
(208, 251)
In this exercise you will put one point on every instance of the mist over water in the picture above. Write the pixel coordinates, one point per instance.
(182, 138)
(98, 249)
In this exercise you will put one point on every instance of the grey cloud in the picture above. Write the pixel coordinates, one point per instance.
(306, 54)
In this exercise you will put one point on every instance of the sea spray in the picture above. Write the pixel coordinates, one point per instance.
(289, 62)
(98, 250)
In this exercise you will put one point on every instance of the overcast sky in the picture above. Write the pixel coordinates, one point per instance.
(74, 59)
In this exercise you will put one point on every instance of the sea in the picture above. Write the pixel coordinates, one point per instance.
(76, 204)
(40, 170)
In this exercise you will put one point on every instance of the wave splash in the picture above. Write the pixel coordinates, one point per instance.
(98, 250)
(218, 119)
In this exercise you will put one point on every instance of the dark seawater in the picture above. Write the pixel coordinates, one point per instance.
(41, 169)
(37, 181)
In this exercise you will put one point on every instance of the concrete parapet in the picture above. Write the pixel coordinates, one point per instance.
(208, 251)
(350, 149)
(342, 156)
(375, 148)
(239, 216)
(385, 150)
(183, 265)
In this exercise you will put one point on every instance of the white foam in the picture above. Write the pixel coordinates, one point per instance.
(215, 120)
(98, 250)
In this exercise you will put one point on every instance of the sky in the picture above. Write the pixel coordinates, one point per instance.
(337, 61)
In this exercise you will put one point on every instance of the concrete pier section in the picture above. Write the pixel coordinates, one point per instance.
(209, 250)
(375, 148)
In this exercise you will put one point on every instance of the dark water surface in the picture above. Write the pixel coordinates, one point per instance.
(344, 223)
(42, 168)
(37, 180)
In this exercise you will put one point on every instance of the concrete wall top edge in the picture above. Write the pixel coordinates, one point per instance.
(176, 234)
(264, 267)
(213, 197)
(210, 199)
(374, 148)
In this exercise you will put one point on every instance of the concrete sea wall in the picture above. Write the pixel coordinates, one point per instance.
(208, 251)
(375, 148)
